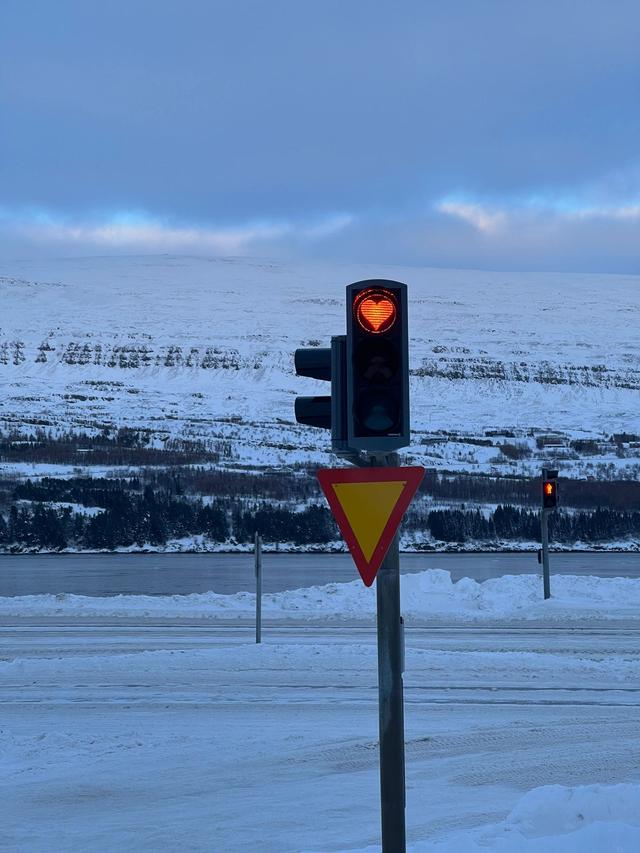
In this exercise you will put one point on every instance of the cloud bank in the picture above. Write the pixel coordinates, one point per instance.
(449, 233)
(50, 233)
(464, 133)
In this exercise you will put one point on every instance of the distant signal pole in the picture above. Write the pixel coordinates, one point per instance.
(258, 572)
(549, 503)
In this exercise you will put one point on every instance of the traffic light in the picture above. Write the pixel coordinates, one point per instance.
(377, 366)
(549, 489)
(326, 412)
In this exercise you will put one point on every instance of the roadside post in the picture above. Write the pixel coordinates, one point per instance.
(549, 503)
(391, 699)
(368, 414)
(258, 572)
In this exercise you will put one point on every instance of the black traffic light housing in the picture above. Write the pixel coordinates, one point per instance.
(377, 366)
(315, 363)
(326, 412)
(549, 488)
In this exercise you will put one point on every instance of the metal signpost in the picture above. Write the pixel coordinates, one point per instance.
(368, 505)
(549, 503)
(368, 415)
(544, 523)
(258, 570)
(391, 700)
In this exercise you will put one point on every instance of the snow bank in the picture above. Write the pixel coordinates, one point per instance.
(556, 810)
(427, 595)
(555, 819)
(432, 593)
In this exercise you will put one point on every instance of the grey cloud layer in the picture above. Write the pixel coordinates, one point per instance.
(224, 114)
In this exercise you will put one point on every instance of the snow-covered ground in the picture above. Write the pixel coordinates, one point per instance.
(132, 728)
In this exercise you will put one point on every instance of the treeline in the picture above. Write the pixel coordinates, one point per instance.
(125, 518)
(509, 523)
(98, 491)
(300, 484)
(581, 494)
(128, 519)
(88, 491)
(153, 519)
(157, 505)
(110, 446)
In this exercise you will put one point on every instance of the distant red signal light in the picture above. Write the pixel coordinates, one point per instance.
(549, 494)
(375, 310)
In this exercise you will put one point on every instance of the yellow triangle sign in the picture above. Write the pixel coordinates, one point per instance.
(368, 505)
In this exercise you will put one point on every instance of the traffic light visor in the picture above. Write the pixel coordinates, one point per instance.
(375, 309)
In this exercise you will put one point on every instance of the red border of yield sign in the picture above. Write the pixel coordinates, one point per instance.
(411, 476)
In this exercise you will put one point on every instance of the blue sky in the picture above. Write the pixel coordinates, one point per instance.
(494, 134)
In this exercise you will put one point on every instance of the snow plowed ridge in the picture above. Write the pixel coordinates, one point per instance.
(204, 347)
(429, 595)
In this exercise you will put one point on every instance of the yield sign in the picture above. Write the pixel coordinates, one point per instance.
(368, 505)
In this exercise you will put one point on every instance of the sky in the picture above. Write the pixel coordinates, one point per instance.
(491, 134)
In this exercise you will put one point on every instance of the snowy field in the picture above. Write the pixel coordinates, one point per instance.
(140, 729)
(203, 348)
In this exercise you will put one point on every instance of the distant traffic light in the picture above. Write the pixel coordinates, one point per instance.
(550, 494)
(549, 489)
(377, 368)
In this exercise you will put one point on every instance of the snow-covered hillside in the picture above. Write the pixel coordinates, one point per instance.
(204, 347)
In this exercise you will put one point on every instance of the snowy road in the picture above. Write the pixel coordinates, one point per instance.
(174, 737)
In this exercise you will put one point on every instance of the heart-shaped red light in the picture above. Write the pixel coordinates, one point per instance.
(376, 313)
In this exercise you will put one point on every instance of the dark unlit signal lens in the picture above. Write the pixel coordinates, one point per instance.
(378, 412)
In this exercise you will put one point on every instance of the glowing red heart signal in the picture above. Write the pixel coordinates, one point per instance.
(376, 312)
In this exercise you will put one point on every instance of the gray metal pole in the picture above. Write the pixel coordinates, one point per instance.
(544, 524)
(390, 696)
(258, 568)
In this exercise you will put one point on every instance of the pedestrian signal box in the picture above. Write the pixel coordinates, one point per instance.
(549, 489)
